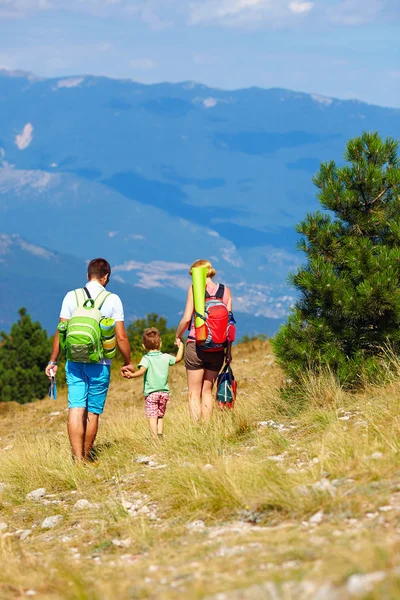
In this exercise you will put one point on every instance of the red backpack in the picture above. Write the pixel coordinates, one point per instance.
(217, 321)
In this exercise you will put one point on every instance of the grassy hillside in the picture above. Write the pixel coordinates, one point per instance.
(306, 506)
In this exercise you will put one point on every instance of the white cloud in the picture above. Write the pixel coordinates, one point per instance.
(158, 14)
(157, 274)
(24, 139)
(300, 7)
(142, 64)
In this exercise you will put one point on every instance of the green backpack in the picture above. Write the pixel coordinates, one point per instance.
(83, 333)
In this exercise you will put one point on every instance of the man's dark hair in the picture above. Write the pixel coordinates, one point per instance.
(98, 268)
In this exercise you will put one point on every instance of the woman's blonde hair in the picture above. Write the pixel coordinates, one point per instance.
(211, 272)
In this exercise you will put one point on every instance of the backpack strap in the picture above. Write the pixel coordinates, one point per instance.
(219, 294)
(101, 298)
(87, 292)
(80, 297)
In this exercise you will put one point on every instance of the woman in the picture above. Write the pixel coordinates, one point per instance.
(202, 367)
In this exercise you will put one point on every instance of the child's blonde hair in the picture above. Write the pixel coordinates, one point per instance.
(211, 272)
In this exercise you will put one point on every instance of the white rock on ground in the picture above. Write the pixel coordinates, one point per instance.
(376, 455)
(316, 518)
(122, 543)
(196, 526)
(52, 521)
(2, 487)
(3, 526)
(143, 460)
(36, 494)
(362, 584)
(82, 504)
(324, 485)
(24, 534)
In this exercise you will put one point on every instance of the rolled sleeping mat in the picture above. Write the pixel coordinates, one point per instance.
(108, 338)
(199, 278)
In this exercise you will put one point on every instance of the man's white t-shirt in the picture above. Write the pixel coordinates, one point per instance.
(112, 306)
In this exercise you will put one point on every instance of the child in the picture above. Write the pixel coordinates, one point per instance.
(154, 366)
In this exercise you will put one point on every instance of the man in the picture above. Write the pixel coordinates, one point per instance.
(88, 382)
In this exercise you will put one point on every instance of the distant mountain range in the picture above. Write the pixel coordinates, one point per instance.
(155, 176)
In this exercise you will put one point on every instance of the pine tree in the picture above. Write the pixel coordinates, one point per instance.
(349, 290)
(23, 357)
(135, 333)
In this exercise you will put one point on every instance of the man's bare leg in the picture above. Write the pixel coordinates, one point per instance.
(76, 431)
(92, 425)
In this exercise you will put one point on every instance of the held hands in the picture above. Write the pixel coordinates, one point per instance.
(127, 371)
(178, 342)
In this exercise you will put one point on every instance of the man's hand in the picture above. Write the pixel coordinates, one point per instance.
(178, 341)
(127, 371)
(53, 368)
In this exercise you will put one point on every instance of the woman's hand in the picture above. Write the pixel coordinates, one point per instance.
(178, 341)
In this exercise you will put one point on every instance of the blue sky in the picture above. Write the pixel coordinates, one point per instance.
(340, 48)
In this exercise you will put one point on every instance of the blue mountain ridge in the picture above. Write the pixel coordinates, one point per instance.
(156, 176)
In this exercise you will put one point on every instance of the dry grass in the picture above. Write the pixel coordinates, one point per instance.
(254, 488)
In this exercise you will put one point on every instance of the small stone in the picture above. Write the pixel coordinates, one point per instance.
(30, 593)
(315, 461)
(3, 526)
(65, 539)
(24, 534)
(324, 485)
(385, 508)
(82, 504)
(376, 455)
(2, 487)
(277, 458)
(196, 526)
(122, 543)
(316, 518)
(143, 460)
(207, 467)
(362, 584)
(36, 494)
(51, 522)
(144, 510)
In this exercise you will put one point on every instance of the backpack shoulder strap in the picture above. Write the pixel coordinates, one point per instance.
(220, 291)
(80, 297)
(100, 299)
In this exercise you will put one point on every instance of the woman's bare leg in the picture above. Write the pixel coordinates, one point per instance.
(207, 398)
(195, 385)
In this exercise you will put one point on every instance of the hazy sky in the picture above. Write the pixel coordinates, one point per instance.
(340, 48)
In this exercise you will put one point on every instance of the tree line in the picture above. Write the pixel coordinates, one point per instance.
(24, 353)
(347, 315)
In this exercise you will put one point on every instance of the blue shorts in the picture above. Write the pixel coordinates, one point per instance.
(87, 385)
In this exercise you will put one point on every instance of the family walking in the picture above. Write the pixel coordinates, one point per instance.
(86, 313)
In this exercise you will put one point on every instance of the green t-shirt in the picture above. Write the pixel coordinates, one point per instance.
(156, 376)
